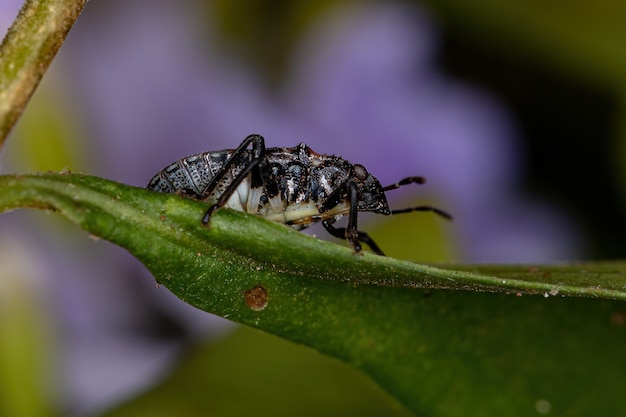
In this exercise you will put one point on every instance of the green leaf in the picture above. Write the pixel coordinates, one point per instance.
(497, 340)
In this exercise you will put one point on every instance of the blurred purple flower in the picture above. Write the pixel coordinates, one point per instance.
(367, 81)
(362, 85)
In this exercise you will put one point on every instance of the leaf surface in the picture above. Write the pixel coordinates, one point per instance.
(453, 341)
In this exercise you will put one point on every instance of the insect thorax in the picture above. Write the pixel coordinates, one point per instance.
(290, 187)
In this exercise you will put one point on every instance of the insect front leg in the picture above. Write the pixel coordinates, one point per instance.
(340, 232)
(349, 191)
(257, 158)
(352, 234)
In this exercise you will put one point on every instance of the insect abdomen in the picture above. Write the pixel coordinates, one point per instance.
(191, 174)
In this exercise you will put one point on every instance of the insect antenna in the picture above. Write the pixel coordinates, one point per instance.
(405, 181)
(435, 210)
(415, 180)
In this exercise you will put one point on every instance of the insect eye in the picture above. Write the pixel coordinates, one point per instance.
(360, 172)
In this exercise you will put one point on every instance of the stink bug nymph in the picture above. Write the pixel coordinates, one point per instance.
(294, 186)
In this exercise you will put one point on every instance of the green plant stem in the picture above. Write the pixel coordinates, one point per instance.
(27, 50)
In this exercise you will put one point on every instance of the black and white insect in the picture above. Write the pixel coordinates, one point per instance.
(295, 186)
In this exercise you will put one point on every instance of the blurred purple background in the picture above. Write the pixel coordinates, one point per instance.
(148, 82)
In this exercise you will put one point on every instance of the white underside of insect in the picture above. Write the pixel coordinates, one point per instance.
(298, 215)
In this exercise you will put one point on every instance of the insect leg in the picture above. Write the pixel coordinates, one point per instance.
(350, 233)
(405, 181)
(435, 210)
(258, 155)
(340, 232)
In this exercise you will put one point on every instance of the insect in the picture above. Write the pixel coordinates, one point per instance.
(295, 186)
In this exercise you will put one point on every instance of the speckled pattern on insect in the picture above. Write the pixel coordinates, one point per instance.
(295, 186)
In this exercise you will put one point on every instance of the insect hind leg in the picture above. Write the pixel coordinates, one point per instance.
(257, 158)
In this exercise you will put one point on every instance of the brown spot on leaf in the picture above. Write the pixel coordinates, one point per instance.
(256, 298)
